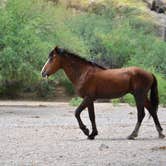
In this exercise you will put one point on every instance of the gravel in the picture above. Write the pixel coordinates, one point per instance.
(40, 134)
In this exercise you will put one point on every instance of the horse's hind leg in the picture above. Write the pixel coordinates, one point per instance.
(153, 113)
(140, 115)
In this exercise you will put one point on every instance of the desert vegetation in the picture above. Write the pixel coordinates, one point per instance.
(111, 33)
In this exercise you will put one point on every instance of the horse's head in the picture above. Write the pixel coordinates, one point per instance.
(53, 63)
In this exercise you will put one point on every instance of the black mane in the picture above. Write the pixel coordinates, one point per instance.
(51, 54)
(73, 55)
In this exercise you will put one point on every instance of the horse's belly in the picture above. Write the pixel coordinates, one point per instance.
(105, 85)
(109, 94)
(112, 90)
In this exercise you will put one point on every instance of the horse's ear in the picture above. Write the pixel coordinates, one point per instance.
(56, 48)
(59, 50)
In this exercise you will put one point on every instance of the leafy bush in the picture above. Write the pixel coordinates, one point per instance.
(113, 33)
(45, 89)
(28, 31)
(90, 27)
(68, 86)
(162, 88)
(76, 101)
(129, 99)
(22, 32)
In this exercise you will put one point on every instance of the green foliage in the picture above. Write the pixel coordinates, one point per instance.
(129, 99)
(150, 54)
(68, 86)
(162, 88)
(115, 102)
(76, 101)
(28, 31)
(45, 89)
(21, 30)
(125, 99)
(113, 33)
(90, 27)
(128, 46)
(10, 89)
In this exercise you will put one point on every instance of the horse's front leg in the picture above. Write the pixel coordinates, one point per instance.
(78, 111)
(92, 119)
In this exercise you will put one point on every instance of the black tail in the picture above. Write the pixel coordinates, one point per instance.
(154, 98)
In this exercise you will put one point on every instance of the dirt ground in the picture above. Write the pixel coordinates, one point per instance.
(47, 134)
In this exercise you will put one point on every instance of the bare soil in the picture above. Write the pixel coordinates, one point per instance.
(47, 134)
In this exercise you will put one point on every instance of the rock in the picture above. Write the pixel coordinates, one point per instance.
(159, 6)
(103, 147)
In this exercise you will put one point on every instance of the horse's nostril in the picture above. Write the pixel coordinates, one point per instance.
(44, 74)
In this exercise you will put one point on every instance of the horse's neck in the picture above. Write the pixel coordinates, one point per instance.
(73, 69)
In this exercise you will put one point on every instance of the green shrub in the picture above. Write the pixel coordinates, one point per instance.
(115, 102)
(129, 99)
(22, 32)
(113, 33)
(68, 86)
(28, 31)
(10, 89)
(76, 101)
(162, 88)
(45, 89)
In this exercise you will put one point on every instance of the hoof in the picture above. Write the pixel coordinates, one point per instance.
(92, 135)
(161, 136)
(131, 137)
(86, 131)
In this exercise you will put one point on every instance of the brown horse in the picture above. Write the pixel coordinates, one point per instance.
(92, 81)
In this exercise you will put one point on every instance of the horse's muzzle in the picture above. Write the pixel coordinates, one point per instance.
(44, 74)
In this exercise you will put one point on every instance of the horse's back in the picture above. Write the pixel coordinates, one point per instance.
(117, 82)
(111, 83)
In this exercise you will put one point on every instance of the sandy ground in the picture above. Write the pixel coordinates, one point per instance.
(47, 134)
